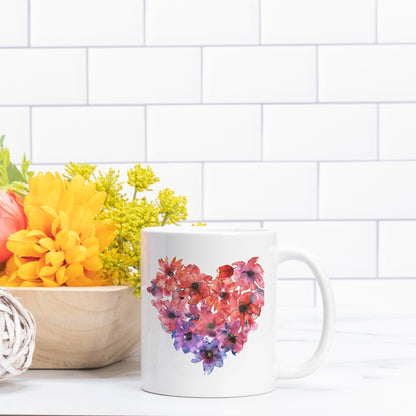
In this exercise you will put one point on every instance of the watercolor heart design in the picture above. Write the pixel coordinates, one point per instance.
(208, 317)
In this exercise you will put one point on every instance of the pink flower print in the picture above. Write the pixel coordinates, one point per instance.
(231, 338)
(170, 313)
(249, 276)
(155, 290)
(169, 274)
(208, 323)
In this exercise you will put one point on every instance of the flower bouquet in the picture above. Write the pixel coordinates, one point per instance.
(70, 250)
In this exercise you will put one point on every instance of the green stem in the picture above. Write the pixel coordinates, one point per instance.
(135, 193)
(165, 219)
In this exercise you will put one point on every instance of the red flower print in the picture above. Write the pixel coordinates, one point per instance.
(169, 274)
(225, 271)
(196, 283)
(249, 275)
(222, 291)
(245, 309)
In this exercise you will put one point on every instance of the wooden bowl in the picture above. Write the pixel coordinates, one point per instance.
(82, 327)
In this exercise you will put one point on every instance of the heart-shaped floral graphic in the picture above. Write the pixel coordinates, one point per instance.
(208, 317)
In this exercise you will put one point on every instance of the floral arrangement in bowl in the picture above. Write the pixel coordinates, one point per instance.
(70, 250)
(77, 230)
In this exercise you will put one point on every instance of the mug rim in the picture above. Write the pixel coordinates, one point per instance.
(195, 230)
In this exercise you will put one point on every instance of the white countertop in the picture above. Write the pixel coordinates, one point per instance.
(371, 370)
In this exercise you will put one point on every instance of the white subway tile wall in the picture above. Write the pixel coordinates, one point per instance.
(86, 23)
(13, 23)
(293, 115)
(202, 22)
(179, 133)
(43, 76)
(87, 134)
(318, 21)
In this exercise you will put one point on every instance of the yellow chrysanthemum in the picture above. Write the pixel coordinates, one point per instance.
(63, 241)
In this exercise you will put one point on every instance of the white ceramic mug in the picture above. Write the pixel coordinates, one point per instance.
(209, 311)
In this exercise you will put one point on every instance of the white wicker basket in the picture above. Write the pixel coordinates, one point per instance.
(17, 336)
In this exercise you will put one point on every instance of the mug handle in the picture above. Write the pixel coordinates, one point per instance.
(308, 367)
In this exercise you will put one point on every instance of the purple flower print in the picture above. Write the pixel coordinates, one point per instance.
(186, 339)
(210, 355)
(155, 290)
(232, 338)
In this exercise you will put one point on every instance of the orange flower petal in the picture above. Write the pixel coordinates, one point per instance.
(92, 263)
(96, 202)
(60, 275)
(28, 283)
(36, 234)
(28, 271)
(55, 258)
(105, 234)
(76, 254)
(60, 223)
(38, 219)
(47, 271)
(66, 240)
(49, 210)
(25, 247)
(48, 282)
(75, 270)
(67, 203)
(47, 243)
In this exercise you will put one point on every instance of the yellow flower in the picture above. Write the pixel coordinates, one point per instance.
(63, 241)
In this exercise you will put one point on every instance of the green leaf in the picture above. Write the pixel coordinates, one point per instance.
(3, 176)
(2, 140)
(6, 157)
(14, 174)
(1, 155)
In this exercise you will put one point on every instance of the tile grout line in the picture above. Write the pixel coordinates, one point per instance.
(144, 22)
(202, 75)
(261, 132)
(280, 162)
(30, 135)
(227, 103)
(378, 129)
(206, 45)
(259, 10)
(28, 22)
(202, 191)
(318, 166)
(87, 69)
(376, 21)
(377, 248)
(145, 134)
(317, 74)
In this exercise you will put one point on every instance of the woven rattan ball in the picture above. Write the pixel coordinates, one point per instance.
(17, 336)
